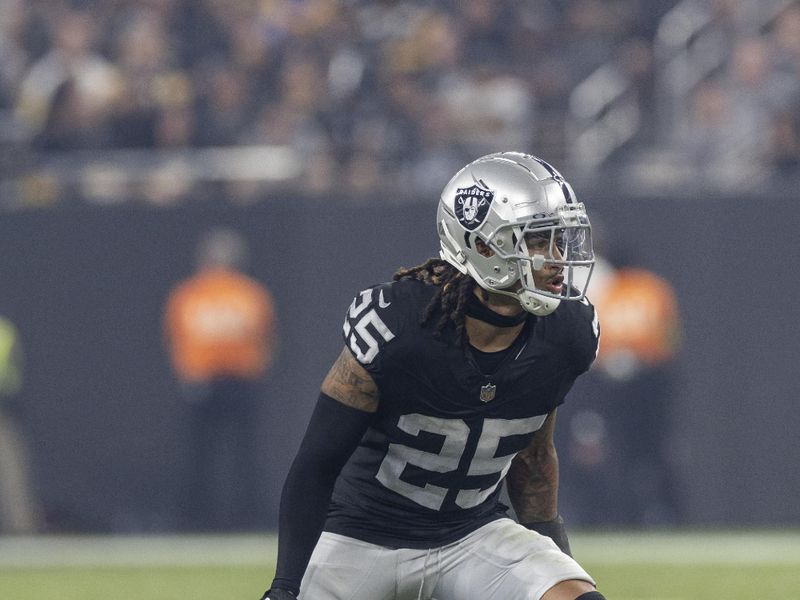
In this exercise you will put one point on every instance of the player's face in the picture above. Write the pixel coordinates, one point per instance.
(550, 277)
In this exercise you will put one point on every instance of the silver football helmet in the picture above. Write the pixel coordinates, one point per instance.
(524, 212)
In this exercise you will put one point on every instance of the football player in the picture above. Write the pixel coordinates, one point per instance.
(448, 386)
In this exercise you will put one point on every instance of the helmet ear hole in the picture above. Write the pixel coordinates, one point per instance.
(482, 248)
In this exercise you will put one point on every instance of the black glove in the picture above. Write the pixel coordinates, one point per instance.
(278, 594)
(554, 530)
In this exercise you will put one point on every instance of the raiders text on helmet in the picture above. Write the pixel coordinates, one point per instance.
(527, 215)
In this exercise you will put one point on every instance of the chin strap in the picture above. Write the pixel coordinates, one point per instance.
(478, 310)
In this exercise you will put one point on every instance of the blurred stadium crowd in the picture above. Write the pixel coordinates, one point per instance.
(379, 95)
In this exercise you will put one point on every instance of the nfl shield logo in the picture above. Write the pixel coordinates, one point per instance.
(487, 392)
(472, 205)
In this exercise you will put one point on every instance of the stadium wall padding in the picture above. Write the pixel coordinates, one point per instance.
(103, 414)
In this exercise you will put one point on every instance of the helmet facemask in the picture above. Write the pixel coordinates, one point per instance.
(556, 251)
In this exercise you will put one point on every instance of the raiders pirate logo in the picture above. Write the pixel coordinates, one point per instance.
(472, 205)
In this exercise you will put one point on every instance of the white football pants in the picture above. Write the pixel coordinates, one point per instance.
(501, 560)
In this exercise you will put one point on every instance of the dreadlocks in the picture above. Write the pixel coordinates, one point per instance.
(450, 298)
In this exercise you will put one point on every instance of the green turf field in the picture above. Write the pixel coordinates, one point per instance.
(636, 566)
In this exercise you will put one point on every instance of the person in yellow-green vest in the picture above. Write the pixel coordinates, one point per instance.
(19, 512)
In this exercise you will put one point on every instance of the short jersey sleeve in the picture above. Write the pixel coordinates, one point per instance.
(371, 323)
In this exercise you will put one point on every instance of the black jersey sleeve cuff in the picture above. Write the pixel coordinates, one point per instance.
(555, 530)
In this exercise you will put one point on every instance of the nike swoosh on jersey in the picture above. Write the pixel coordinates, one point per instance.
(381, 302)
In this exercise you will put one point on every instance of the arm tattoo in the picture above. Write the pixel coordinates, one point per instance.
(532, 480)
(351, 384)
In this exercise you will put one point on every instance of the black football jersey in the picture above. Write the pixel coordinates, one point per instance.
(428, 469)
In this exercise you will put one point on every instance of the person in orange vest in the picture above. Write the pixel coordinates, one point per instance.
(620, 433)
(640, 323)
(220, 328)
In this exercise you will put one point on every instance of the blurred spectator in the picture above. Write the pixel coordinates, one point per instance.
(755, 93)
(13, 55)
(65, 127)
(284, 125)
(93, 85)
(485, 23)
(785, 138)
(709, 137)
(437, 154)
(490, 109)
(147, 60)
(223, 106)
(220, 330)
(786, 37)
(785, 142)
(19, 511)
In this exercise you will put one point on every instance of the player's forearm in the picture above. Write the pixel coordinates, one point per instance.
(303, 511)
(532, 484)
(333, 433)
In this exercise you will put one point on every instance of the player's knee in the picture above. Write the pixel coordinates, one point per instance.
(591, 596)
